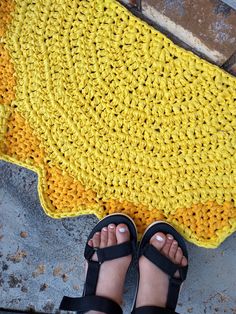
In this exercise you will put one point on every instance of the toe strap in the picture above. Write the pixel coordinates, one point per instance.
(90, 303)
(110, 252)
(161, 261)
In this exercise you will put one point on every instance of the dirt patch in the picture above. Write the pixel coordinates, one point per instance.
(48, 307)
(43, 287)
(39, 270)
(1, 280)
(65, 277)
(24, 289)
(17, 257)
(4, 266)
(14, 282)
(76, 287)
(223, 297)
(57, 271)
(24, 234)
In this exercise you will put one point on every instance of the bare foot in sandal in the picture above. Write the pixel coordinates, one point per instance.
(153, 282)
(112, 273)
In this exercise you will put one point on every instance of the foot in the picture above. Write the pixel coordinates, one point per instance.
(112, 273)
(153, 283)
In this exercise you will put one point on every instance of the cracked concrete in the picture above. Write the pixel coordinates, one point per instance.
(42, 258)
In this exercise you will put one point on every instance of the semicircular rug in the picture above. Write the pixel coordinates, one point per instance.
(114, 117)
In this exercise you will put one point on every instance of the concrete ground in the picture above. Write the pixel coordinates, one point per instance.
(42, 258)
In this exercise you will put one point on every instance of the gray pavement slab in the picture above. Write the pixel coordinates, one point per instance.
(231, 3)
(41, 259)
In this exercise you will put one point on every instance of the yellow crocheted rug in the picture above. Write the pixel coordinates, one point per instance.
(114, 117)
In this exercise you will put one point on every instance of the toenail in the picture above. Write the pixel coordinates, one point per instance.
(175, 242)
(97, 233)
(104, 229)
(170, 237)
(111, 226)
(159, 238)
(122, 229)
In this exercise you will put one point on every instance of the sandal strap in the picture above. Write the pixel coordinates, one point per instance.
(90, 303)
(161, 261)
(169, 268)
(109, 253)
(152, 310)
(90, 284)
(173, 292)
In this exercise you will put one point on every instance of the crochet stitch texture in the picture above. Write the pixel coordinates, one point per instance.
(115, 117)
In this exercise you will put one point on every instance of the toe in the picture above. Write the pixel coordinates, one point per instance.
(122, 233)
(90, 242)
(178, 256)
(184, 261)
(96, 239)
(104, 237)
(158, 240)
(112, 235)
(173, 250)
(166, 248)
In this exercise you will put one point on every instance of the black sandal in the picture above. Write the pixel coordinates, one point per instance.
(89, 301)
(151, 253)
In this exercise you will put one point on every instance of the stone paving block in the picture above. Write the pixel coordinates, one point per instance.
(207, 26)
(232, 69)
(231, 3)
(230, 64)
(130, 2)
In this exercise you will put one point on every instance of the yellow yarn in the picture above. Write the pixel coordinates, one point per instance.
(122, 110)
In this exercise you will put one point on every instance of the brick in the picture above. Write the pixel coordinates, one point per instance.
(207, 26)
